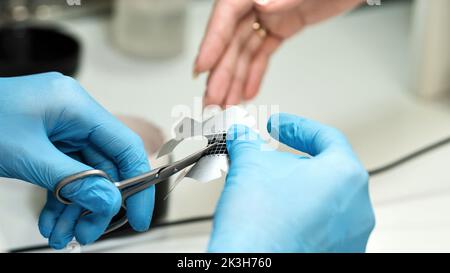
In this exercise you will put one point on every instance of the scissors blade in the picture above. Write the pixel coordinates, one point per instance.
(144, 181)
(181, 164)
(140, 179)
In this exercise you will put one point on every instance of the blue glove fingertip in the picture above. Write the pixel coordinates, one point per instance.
(241, 135)
(49, 215)
(277, 122)
(234, 132)
(47, 220)
(45, 230)
(140, 209)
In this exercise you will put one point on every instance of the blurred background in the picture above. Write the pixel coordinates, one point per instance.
(381, 74)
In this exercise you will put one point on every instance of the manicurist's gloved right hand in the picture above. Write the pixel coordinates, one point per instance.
(281, 202)
(50, 128)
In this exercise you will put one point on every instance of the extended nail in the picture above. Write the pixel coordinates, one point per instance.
(262, 2)
(195, 74)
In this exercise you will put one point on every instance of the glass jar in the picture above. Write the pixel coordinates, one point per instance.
(149, 28)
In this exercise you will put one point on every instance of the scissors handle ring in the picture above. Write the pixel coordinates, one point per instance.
(73, 178)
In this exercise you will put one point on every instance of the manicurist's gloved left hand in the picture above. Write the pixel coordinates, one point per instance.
(50, 128)
(282, 202)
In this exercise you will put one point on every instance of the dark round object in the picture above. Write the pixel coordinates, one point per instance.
(28, 50)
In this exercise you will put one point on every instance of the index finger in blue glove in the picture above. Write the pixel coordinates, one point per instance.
(97, 160)
(306, 135)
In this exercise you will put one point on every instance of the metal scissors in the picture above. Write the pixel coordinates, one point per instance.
(136, 184)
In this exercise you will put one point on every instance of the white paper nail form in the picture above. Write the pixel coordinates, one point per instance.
(210, 167)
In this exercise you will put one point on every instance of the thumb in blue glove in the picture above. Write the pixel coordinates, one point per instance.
(51, 128)
(282, 202)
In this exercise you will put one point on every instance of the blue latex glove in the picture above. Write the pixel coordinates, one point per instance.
(50, 129)
(281, 202)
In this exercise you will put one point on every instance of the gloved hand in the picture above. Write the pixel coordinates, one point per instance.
(236, 57)
(281, 202)
(50, 129)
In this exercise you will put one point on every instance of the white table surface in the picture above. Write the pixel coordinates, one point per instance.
(350, 72)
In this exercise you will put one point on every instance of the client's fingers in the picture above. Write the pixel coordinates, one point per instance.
(220, 32)
(223, 73)
(236, 91)
(259, 65)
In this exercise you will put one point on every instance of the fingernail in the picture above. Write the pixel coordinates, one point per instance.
(45, 233)
(57, 245)
(195, 74)
(262, 2)
(195, 71)
(205, 100)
